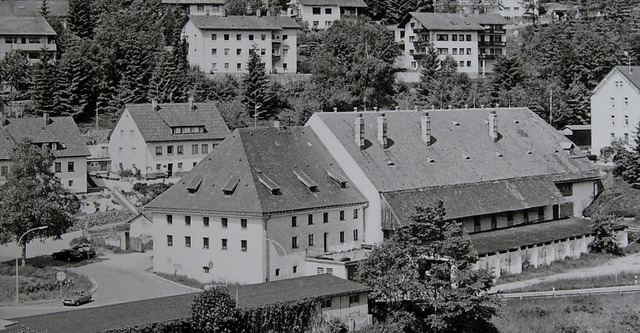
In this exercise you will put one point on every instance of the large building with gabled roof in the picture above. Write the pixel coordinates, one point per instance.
(30, 34)
(255, 208)
(164, 140)
(320, 14)
(200, 7)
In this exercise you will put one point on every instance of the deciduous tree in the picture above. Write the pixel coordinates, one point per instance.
(605, 240)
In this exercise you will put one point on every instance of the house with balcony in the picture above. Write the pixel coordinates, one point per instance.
(473, 41)
(262, 202)
(29, 34)
(200, 7)
(222, 44)
(60, 135)
(613, 115)
(320, 14)
(164, 140)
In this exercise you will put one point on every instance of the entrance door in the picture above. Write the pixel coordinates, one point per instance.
(326, 245)
(556, 212)
(169, 169)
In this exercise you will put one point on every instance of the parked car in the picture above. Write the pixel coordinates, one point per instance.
(86, 250)
(77, 297)
(68, 255)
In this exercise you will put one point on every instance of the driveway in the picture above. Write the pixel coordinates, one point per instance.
(120, 278)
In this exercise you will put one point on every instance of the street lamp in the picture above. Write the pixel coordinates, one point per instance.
(18, 257)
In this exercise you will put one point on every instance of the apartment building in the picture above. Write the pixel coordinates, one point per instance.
(60, 135)
(164, 140)
(506, 8)
(30, 34)
(613, 116)
(261, 203)
(474, 41)
(57, 8)
(320, 14)
(200, 7)
(221, 44)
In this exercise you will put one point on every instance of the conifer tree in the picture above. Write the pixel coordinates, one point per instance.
(44, 8)
(257, 95)
(44, 88)
(80, 19)
(167, 85)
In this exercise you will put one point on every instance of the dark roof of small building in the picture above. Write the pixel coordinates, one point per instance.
(155, 126)
(477, 199)
(59, 8)
(296, 289)
(518, 236)
(443, 21)
(461, 152)
(485, 19)
(194, 2)
(260, 171)
(211, 22)
(339, 3)
(578, 127)
(25, 25)
(62, 130)
(284, 22)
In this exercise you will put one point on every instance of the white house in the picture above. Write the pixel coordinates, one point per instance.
(320, 14)
(613, 115)
(222, 44)
(200, 7)
(32, 35)
(164, 139)
(255, 208)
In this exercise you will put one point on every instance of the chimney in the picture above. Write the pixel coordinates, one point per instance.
(426, 128)
(397, 108)
(382, 131)
(45, 116)
(276, 124)
(375, 109)
(335, 109)
(191, 106)
(493, 126)
(355, 109)
(359, 131)
(154, 104)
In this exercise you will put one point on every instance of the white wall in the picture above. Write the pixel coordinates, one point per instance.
(126, 145)
(181, 163)
(512, 8)
(288, 57)
(324, 19)
(46, 42)
(355, 315)
(206, 9)
(76, 180)
(583, 194)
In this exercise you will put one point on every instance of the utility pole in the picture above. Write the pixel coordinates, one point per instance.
(550, 106)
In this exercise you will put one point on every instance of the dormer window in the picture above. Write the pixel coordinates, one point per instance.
(188, 129)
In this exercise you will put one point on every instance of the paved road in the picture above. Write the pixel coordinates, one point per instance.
(120, 278)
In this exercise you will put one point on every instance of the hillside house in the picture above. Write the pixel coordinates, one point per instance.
(61, 135)
(200, 7)
(57, 8)
(262, 202)
(164, 140)
(222, 44)
(32, 35)
(320, 14)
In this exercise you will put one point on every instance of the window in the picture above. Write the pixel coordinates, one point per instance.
(442, 37)
(205, 221)
(342, 215)
(4, 170)
(326, 303)
(205, 148)
(454, 51)
(354, 299)
(226, 36)
(58, 167)
(325, 217)
(214, 36)
(180, 149)
(294, 221)
(327, 23)
(468, 51)
(327, 10)
(169, 150)
(414, 64)
(70, 167)
(243, 245)
(341, 236)
(476, 224)
(238, 51)
(169, 240)
(468, 38)
(214, 52)
(251, 37)
(277, 271)
(263, 36)
(239, 66)
(295, 269)
(311, 240)
(315, 24)
(238, 36)
(226, 51)
(525, 216)
(461, 51)
(263, 52)
(187, 220)
(225, 222)
(540, 213)
(320, 270)
(454, 38)
(355, 213)
(131, 133)
(509, 219)
(613, 103)
(494, 221)
(200, 8)
(169, 219)
(205, 269)
(566, 189)
(70, 183)
(187, 241)
(285, 52)
(626, 120)
(329, 270)
(443, 51)
(284, 66)
(461, 37)
(613, 119)
(180, 165)
(224, 243)
(355, 234)
(316, 10)
(243, 223)
(205, 243)
(226, 65)
(294, 242)
(626, 137)
(194, 149)
(613, 136)
(461, 64)
(310, 219)
(284, 37)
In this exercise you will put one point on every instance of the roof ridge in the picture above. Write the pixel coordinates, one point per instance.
(253, 175)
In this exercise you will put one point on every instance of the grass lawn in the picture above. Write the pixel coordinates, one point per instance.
(619, 198)
(607, 313)
(38, 279)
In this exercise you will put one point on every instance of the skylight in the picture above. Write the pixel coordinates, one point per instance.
(231, 185)
(194, 184)
(336, 177)
(306, 180)
(269, 183)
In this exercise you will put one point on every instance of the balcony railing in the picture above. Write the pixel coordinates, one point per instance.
(419, 55)
(495, 31)
(487, 56)
(492, 43)
(421, 42)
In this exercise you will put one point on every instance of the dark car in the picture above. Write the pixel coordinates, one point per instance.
(68, 255)
(77, 297)
(86, 250)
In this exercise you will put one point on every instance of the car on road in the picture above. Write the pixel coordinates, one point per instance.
(77, 297)
(86, 249)
(68, 255)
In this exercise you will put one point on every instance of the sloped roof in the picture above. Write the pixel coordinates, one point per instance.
(296, 289)
(259, 158)
(284, 22)
(443, 21)
(194, 2)
(477, 199)
(339, 3)
(155, 126)
(23, 25)
(578, 127)
(61, 130)
(211, 22)
(483, 19)
(461, 151)
(58, 8)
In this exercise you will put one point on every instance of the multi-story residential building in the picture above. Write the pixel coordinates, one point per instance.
(474, 41)
(32, 35)
(613, 115)
(57, 8)
(506, 8)
(256, 208)
(164, 139)
(221, 44)
(200, 7)
(61, 135)
(320, 14)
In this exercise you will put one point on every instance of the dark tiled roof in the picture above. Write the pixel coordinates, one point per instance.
(194, 2)
(211, 22)
(484, 19)
(284, 22)
(22, 25)
(258, 157)
(477, 199)
(60, 130)
(532, 234)
(443, 21)
(631, 73)
(578, 127)
(339, 3)
(156, 126)
(527, 147)
(314, 286)
(32, 7)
